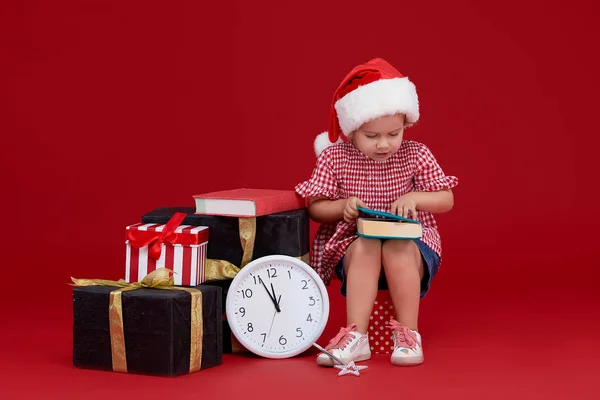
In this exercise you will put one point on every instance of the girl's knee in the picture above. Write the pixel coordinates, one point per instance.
(399, 252)
(375, 268)
(362, 247)
(367, 245)
(365, 254)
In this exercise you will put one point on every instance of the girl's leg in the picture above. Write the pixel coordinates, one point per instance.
(362, 266)
(403, 266)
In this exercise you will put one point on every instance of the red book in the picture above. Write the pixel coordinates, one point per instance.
(247, 202)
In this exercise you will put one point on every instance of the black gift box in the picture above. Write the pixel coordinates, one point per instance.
(230, 343)
(285, 233)
(156, 325)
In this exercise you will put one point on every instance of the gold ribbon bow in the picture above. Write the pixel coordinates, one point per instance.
(158, 279)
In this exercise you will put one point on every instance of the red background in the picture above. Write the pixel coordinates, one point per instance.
(110, 109)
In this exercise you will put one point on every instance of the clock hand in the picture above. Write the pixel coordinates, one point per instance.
(273, 320)
(274, 296)
(275, 303)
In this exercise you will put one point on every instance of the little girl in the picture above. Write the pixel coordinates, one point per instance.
(364, 161)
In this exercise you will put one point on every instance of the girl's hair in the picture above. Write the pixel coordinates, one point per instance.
(351, 134)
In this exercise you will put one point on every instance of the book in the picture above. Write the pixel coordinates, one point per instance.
(383, 225)
(245, 202)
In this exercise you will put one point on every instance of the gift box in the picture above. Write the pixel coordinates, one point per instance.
(140, 329)
(380, 336)
(180, 248)
(230, 342)
(234, 242)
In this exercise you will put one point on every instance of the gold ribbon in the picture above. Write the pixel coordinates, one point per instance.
(247, 236)
(223, 269)
(158, 279)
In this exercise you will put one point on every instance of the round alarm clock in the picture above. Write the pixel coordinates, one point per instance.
(277, 306)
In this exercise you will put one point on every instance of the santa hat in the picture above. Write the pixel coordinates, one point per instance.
(369, 91)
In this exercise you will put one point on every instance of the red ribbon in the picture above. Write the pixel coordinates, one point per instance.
(154, 240)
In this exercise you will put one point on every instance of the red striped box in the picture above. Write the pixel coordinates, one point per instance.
(188, 261)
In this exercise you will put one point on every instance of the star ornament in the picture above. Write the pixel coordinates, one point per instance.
(350, 368)
(346, 369)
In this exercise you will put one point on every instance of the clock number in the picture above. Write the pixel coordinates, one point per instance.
(247, 293)
(305, 284)
(309, 318)
(290, 274)
(298, 330)
(243, 311)
(273, 274)
(258, 281)
(313, 301)
(264, 335)
(250, 327)
(282, 340)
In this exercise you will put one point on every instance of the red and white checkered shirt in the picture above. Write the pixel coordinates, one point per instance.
(343, 171)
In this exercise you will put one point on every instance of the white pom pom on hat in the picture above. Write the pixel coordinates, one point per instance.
(369, 91)
(322, 142)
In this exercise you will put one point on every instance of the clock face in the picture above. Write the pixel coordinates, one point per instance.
(277, 306)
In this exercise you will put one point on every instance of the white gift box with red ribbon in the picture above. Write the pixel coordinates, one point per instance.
(180, 248)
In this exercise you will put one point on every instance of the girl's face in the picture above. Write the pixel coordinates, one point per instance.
(381, 138)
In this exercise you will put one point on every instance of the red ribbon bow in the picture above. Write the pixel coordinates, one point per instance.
(154, 240)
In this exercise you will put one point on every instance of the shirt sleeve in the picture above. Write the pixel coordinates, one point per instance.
(429, 176)
(323, 181)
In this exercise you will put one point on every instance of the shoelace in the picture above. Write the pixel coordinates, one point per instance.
(403, 337)
(342, 339)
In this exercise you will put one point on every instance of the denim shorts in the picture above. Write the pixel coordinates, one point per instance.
(431, 263)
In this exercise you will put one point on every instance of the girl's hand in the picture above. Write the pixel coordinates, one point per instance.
(405, 206)
(350, 208)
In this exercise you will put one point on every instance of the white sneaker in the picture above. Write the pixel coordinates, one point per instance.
(348, 345)
(408, 349)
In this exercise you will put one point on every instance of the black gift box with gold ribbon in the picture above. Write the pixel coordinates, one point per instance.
(238, 241)
(230, 343)
(157, 335)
